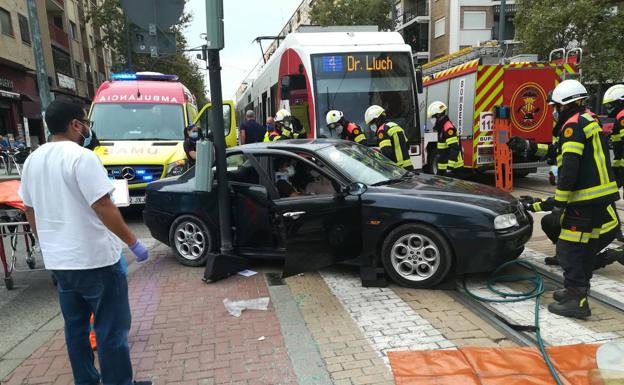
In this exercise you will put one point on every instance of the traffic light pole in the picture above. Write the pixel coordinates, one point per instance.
(42, 77)
(218, 134)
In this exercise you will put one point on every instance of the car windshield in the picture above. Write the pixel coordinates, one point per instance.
(138, 121)
(362, 164)
(352, 82)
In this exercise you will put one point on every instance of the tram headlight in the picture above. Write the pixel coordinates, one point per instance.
(505, 221)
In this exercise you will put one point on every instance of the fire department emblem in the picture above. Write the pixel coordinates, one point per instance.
(529, 108)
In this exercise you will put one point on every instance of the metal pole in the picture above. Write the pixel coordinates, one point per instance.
(218, 134)
(42, 76)
(501, 21)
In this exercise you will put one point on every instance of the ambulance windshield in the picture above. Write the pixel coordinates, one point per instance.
(353, 81)
(138, 121)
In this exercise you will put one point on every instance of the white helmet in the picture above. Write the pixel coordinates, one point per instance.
(569, 91)
(333, 117)
(614, 93)
(372, 113)
(282, 115)
(435, 108)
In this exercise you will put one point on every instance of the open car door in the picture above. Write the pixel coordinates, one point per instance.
(229, 122)
(318, 230)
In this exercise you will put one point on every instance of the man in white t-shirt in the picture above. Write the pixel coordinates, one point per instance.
(66, 192)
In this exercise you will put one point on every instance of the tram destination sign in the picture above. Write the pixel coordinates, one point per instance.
(360, 63)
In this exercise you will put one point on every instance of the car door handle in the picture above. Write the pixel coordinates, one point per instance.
(293, 214)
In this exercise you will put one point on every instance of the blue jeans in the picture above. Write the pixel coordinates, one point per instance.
(103, 292)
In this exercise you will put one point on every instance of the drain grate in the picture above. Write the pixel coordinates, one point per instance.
(274, 279)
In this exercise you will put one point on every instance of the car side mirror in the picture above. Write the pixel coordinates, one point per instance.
(356, 189)
(419, 80)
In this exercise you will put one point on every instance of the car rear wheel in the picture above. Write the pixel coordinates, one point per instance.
(190, 240)
(416, 255)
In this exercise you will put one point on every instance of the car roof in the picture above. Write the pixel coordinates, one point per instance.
(311, 145)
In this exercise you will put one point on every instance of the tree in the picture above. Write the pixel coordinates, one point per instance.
(352, 12)
(593, 25)
(109, 16)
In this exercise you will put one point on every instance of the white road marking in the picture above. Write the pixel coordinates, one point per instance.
(384, 318)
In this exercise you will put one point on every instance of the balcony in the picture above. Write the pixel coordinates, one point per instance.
(510, 9)
(55, 5)
(58, 36)
(416, 14)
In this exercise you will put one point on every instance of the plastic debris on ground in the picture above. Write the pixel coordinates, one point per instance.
(261, 338)
(610, 361)
(235, 308)
(247, 273)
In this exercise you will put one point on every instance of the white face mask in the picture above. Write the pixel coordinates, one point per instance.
(373, 127)
(339, 129)
(290, 170)
(555, 115)
(315, 174)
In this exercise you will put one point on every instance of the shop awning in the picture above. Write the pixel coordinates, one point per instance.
(15, 96)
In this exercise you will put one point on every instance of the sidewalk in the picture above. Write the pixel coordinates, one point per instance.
(182, 334)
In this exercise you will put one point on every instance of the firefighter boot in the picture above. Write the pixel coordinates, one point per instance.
(560, 295)
(552, 261)
(574, 304)
(608, 256)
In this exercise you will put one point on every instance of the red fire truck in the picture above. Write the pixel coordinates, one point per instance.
(472, 81)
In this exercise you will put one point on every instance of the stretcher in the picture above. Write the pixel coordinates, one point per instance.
(15, 230)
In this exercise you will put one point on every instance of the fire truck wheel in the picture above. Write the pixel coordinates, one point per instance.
(416, 255)
(190, 240)
(432, 162)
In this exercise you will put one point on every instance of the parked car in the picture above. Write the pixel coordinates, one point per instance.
(349, 201)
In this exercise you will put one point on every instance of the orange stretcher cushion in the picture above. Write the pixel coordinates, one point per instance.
(9, 196)
(576, 365)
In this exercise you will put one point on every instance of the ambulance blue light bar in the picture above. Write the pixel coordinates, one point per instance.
(143, 76)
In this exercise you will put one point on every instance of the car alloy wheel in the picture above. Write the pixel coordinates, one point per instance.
(415, 257)
(190, 240)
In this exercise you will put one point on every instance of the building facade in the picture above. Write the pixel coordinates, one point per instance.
(435, 28)
(74, 62)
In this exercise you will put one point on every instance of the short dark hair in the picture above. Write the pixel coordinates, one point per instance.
(60, 113)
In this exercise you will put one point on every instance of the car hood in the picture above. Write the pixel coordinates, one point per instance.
(140, 152)
(449, 189)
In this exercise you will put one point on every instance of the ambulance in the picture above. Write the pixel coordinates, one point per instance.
(140, 120)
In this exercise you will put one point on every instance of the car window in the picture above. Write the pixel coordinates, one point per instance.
(293, 178)
(241, 170)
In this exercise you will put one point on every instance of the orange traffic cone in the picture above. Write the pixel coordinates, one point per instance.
(92, 333)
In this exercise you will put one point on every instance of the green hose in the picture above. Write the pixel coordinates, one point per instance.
(535, 292)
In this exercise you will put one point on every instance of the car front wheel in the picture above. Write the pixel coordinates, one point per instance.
(416, 256)
(190, 240)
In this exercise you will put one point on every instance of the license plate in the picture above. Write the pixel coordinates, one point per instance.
(137, 200)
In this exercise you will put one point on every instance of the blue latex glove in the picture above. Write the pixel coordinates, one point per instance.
(140, 251)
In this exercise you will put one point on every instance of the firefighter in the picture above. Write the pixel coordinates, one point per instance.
(586, 190)
(346, 130)
(614, 102)
(450, 159)
(390, 137)
(289, 127)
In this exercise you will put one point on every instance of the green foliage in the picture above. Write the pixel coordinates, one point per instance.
(544, 25)
(352, 12)
(109, 16)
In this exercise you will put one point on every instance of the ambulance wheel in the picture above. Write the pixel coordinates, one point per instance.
(416, 255)
(190, 240)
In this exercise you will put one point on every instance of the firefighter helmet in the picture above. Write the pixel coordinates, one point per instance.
(435, 108)
(372, 113)
(614, 94)
(333, 117)
(569, 91)
(282, 115)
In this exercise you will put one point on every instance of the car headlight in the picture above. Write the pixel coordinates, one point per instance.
(176, 168)
(505, 221)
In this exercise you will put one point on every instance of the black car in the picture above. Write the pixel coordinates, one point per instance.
(319, 202)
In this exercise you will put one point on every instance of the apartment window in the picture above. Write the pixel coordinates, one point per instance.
(78, 69)
(5, 22)
(62, 61)
(24, 29)
(58, 21)
(474, 20)
(440, 27)
(73, 30)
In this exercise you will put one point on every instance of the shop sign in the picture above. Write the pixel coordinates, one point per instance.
(66, 81)
(6, 83)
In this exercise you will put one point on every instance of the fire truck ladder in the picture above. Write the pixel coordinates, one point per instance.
(460, 57)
